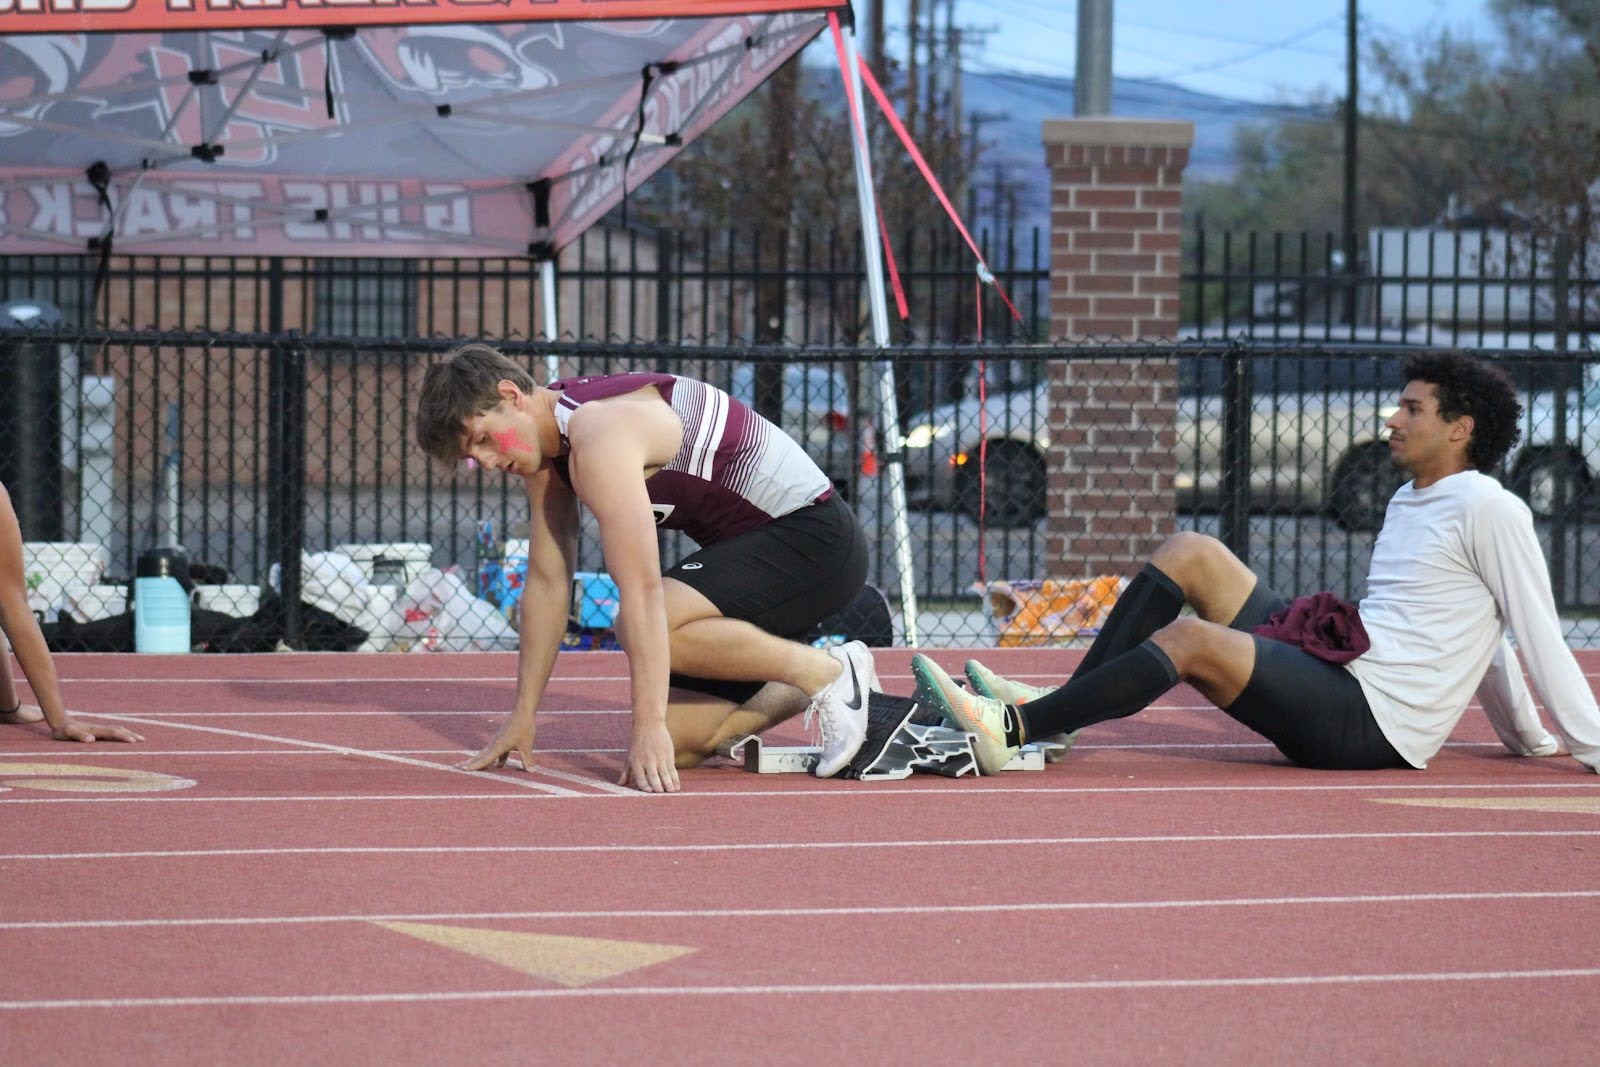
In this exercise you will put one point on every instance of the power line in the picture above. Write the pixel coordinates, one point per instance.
(1272, 46)
(1184, 31)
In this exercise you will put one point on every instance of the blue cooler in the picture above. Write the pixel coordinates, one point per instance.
(160, 615)
(595, 600)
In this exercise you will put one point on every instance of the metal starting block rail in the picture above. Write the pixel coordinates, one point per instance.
(901, 739)
(771, 759)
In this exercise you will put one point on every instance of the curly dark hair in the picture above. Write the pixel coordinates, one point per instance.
(1466, 385)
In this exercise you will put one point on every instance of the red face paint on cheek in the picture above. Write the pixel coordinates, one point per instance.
(510, 442)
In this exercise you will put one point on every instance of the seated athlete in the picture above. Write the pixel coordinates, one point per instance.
(1456, 566)
(780, 552)
(27, 641)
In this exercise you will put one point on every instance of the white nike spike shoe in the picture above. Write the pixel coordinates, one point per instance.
(841, 708)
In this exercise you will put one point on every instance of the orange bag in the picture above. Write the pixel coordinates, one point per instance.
(1052, 611)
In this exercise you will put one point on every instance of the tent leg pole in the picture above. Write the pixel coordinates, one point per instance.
(552, 329)
(888, 402)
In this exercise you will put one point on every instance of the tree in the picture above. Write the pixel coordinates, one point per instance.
(1547, 104)
(778, 172)
(731, 172)
(1453, 128)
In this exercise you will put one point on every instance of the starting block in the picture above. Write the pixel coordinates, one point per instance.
(769, 759)
(902, 738)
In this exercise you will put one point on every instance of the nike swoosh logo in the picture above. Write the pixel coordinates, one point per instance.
(855, 685)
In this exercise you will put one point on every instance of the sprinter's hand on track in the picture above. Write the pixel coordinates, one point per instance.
(650, 765)
(84, 731)
(515, 736)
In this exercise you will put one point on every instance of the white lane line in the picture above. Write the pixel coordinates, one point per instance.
(113, 749)
(1186, 746)
(585, 780)
(496, 714)
(565, 794)
(856, 989)
(509, 680)
(815, 791)
(796, 846)
(1044, 907)
(103, 751)
(347, 751)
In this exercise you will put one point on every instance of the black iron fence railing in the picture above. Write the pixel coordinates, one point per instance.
(1480, 288)
(283, 464)
(647, 286)
(1483, 289)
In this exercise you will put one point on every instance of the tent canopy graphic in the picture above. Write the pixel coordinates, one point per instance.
(177, 126)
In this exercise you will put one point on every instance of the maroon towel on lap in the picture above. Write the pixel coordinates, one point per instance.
(1321, 625)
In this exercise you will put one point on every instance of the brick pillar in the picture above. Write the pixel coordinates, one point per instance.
(1115, 226)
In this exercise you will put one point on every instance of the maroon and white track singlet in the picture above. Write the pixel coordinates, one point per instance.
(733, 472)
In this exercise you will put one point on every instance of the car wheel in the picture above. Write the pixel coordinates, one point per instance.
(1014, 484)
(1539, 473)
(1363, 482)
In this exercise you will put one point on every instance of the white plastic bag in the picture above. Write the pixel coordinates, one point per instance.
(442, 614)
(338, 585)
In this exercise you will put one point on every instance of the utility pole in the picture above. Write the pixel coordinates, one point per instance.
(875, 51)
(913, 43)
(1091, 82)
(1350, 130)
(950, 101)
(994, 202)
(770, 236)
(975, 123)
(934, 69)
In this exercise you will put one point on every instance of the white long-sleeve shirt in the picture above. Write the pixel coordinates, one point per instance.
(1455, 567)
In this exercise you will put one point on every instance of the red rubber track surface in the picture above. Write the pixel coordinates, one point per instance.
(1174, 890)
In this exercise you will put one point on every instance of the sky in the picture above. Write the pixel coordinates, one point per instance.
(1263, 50)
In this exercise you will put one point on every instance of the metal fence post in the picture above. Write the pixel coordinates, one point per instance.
(1558, 503)
(1235, 487)
(286, 473)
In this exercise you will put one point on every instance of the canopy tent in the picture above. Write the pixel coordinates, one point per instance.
(384, 128)
(375, 129)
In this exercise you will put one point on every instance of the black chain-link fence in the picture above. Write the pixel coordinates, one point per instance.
(282, 468)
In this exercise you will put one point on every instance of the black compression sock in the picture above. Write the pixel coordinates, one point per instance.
(1126, 684)
(1016, 732)
(1151, 601)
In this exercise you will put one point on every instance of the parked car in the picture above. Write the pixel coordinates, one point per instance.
(1543, 469)
(1317, 442)
(816, 410)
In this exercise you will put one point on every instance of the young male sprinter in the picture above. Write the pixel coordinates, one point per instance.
(1456, 565)
(780, 551)
(27, 641)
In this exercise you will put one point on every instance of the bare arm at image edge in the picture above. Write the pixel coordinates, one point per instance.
(27, 642)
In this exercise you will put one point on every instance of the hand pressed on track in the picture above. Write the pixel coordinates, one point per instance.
(71, 730)
(515, 736)
(83, 731)
(650, 765)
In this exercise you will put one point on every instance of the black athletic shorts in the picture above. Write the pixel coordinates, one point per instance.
(784, 577)
(1313, 711)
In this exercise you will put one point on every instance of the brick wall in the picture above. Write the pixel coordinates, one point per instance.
(1115, 228)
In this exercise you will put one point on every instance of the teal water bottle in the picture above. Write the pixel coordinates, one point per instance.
(160, 615)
